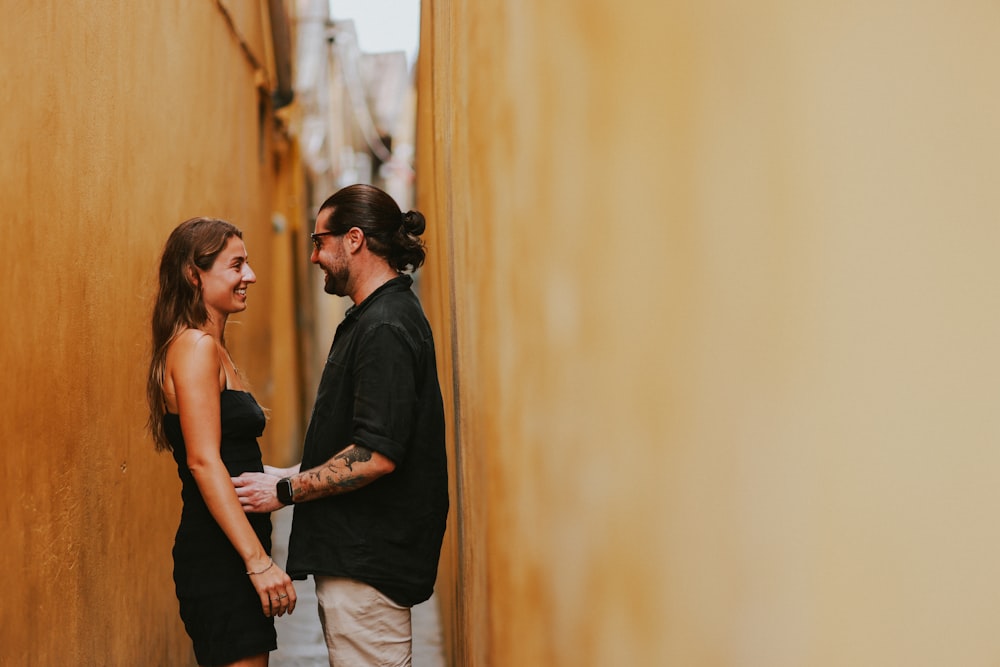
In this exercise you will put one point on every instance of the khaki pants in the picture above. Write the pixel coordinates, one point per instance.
(362, 627)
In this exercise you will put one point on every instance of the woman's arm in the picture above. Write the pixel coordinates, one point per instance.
(195, 370)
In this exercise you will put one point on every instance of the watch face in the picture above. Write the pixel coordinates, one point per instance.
(284, 491)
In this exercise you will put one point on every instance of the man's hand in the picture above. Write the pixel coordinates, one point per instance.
(256, 491)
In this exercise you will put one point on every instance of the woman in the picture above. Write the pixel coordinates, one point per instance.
(228, 587)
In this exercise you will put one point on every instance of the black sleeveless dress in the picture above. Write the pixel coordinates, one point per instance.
(219, 605)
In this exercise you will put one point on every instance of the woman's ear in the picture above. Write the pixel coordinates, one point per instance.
(191, 273)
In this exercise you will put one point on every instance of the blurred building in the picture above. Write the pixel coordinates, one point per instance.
(355, 117)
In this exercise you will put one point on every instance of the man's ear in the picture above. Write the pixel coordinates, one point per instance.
(355, 238)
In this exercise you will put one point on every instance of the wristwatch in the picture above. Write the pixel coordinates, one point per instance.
(284, 491)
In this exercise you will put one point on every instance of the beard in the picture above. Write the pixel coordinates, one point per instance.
(335, 280)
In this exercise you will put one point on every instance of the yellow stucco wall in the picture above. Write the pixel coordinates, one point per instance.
(716, 287)
(120, 121)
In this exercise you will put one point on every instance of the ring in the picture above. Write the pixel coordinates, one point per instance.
(282, 596)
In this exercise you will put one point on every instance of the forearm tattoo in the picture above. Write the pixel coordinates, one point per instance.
(337, 475)
(357, 454)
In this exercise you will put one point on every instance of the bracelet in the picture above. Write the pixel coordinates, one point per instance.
(269, 565)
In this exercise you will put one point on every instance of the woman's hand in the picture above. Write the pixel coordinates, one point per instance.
(277, 594)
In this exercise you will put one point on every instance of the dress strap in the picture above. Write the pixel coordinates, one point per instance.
(223, 357)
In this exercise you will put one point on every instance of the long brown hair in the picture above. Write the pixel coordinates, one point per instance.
(194, 244)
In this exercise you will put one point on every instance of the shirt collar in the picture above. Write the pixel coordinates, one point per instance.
(398, 284)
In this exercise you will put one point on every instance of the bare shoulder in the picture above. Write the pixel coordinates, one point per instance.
(191, 336)
(193, 356)
(191, 342)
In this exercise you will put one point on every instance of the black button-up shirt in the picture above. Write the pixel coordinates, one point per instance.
(379, 390)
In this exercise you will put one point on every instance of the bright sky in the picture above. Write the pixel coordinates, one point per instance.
(382, 25)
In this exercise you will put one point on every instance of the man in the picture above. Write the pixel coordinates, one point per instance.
(371, 493)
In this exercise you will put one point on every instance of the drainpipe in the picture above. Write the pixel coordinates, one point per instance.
(280, 37)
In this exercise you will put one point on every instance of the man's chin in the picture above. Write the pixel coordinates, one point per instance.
(330, 286)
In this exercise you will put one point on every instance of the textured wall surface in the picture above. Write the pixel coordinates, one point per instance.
(715, 287)
(120, 121)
